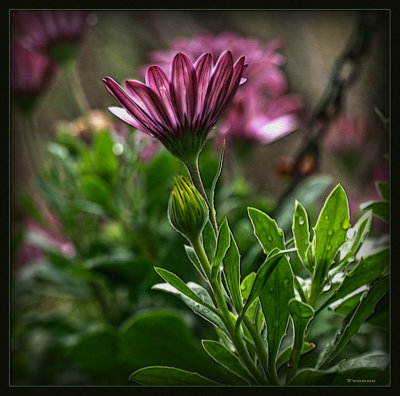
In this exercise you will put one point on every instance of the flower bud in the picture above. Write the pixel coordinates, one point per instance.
(187, 209)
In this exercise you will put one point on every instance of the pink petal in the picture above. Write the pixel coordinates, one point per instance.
(203, 68)
(183, 87)
(122, 114)
(157, 80)
(267, 130)
(146, 98)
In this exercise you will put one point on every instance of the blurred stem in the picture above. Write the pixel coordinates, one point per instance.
(192, 167)
(78, 92)
(226, 316)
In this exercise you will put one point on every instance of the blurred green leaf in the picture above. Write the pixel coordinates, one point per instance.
(96, 190)
(384, 189)
(167, 376)
(379, 208)
(104, 158)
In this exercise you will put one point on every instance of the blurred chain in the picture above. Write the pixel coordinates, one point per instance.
(345, 71)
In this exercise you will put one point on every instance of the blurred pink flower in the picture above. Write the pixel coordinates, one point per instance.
(346, 134)
(30, 72)
(53, 32)
(262, 110)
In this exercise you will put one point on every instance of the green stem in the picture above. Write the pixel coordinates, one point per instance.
(226, 315)
(194, 172)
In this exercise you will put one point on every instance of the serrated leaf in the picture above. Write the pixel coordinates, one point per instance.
(223, 244)
(367, 270)
(231, 268)
(274, 298)
(168, 376)
(301, 234)
(226, 358)
(353, 322)
(209, 241)
(201, 309)
(330, 232)
(266, 230)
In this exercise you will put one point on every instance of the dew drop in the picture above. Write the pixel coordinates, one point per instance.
(329, 247)
(345, 224)
(330, 232)
(269, 237)
(326, 217)
(301, 220)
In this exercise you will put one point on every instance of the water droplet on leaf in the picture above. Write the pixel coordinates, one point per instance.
(301, 220)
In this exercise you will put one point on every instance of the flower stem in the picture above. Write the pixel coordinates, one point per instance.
(194, 172)
(226, 315)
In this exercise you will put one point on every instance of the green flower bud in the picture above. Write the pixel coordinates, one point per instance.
(187, 209)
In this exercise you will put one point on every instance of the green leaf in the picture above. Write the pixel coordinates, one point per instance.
(209, 241)
(266, 230)
(194, 260)
(284, 356)
(247, 284)
(301, 234)
(330, 232)
(275, 297)
(226, 358)
(353, 322)
(384, 189)
(360, 232)
(302, 315)
(379, 208)
(216, 178)
(201, 309)
(232, 272)
(104, 158)
(178, 284)
(222, 246)
(366, 370)
(97, 191)
(168, 376)
(367, 270)
(263, 273)
(161, 338)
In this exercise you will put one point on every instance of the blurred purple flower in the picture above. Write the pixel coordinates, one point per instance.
(346, 134)
(181, 109)
(262, 111)
(53, 32)
(30, 73)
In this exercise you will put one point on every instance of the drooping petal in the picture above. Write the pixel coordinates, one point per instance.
(126, 101)
(218, 85)
(122, 114)
(147, 99)
(203, 68)
(183, 88)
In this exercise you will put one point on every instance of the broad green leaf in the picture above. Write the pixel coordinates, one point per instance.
(104, 157)
(194, 260)
(263, 273)
(365, 370)
(359, 232)
(232, 272)
(353, 322)
(275, 297)
(226, 358)
(247, 284)
(367, 270)
(178, 284)
(209, 241)
(302, 315)
(301, 233)
(168, 376)
(162, 338)
(384, 189)
(379, 208)
(284, 356)
(96, 190)
(266, 231)
(201, 309)
(222, 246)
(330, 232)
